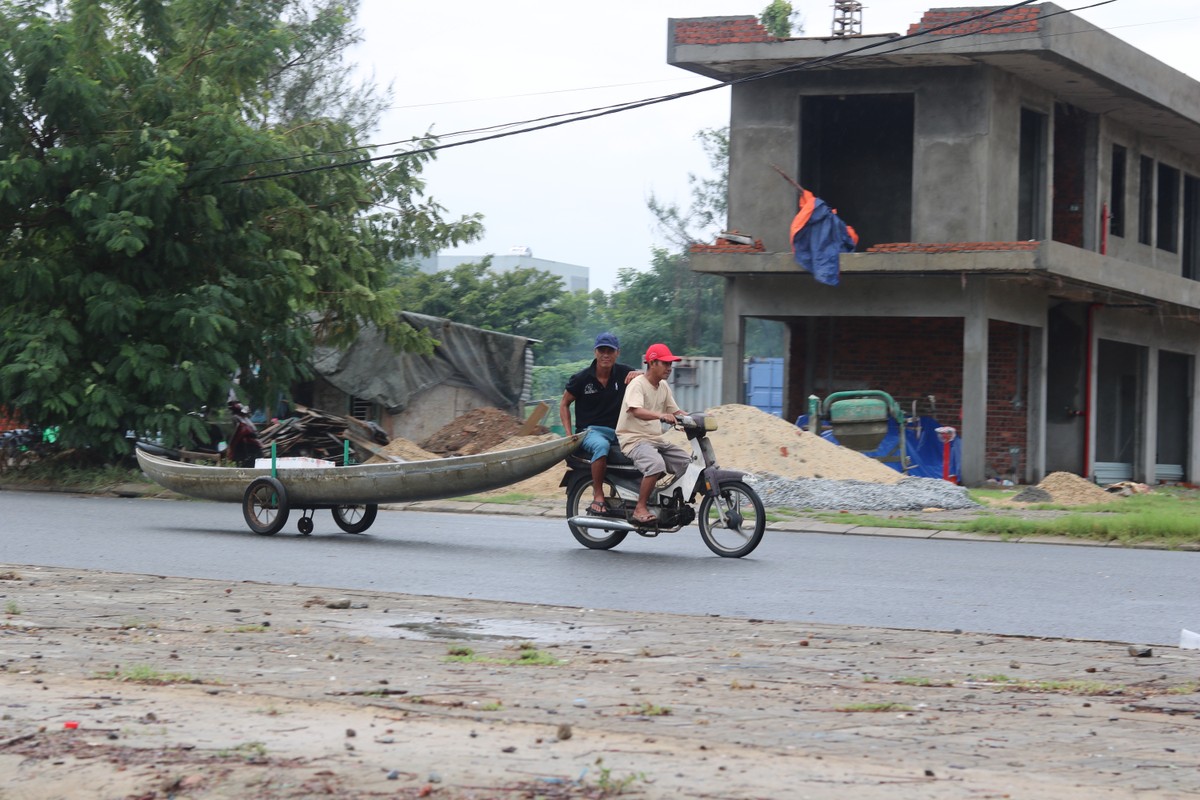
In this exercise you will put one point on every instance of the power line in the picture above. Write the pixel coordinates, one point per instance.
(557, 120)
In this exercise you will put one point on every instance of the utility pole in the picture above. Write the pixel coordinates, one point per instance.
(847, 18)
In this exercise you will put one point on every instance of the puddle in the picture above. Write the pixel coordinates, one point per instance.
(483, 630)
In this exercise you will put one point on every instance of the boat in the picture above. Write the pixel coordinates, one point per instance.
(358, 484)
(266, 494)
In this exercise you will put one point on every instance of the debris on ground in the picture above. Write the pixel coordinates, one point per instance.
(319, 434)
(477, 431)
(1127, 488)
(1068, 489)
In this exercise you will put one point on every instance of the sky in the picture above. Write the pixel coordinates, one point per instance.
(577, 193)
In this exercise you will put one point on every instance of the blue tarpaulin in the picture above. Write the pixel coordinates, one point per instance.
(924, 449)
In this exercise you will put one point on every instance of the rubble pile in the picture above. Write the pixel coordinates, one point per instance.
(319, 434)
(477, 431)
(1065, 489)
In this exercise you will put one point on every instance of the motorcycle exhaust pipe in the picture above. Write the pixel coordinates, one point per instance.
(605, 524)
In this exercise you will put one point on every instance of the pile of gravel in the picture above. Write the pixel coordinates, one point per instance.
(910, 494)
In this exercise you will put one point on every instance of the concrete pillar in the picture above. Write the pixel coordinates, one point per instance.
(974, 382)
(1035, 413)
(733, 346)
(1146, 451)
(1193, 457)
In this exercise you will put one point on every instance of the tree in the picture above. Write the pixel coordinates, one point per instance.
(685, 227)
(524, 302)
(168, 217)
(696, 309)
(778, 18)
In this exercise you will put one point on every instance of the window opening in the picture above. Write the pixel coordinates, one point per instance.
(1145, 199)
(1191, 227)
(1168, 208)
(1031, 179)
(1116, 197)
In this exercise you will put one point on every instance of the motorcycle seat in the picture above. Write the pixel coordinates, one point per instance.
(615, 459)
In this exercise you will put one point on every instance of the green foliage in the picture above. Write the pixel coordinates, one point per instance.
(550, 381)
(669, 303)
(144, 263)
(777, 18)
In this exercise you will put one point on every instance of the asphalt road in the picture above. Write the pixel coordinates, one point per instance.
(1102, 593)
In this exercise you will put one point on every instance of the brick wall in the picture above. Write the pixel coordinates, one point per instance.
(9, 420)
(720, 30)
(958, 21)
(911, 359)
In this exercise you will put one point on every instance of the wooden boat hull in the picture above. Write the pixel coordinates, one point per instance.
(365, 484)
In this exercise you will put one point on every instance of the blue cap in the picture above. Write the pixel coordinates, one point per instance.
(607, 339)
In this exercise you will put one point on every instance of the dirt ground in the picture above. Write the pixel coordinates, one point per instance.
(136, 686)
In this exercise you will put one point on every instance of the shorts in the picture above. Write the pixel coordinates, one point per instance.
(652, 457)
(597, 441)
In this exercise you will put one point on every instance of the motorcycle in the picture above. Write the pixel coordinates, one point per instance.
(241, 448)
(244, 445)
(731, 515)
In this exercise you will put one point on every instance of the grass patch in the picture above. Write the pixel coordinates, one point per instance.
(873, 708)
(12, 608)
(922, 681)
(1165, 517)
(651, 710)
(141, 673)
(1075, 687)
(509, 498)
(250, 751)
(64, 471)
(527, 655)
(610, 786)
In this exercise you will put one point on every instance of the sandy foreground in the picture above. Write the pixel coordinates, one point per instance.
(135, 686)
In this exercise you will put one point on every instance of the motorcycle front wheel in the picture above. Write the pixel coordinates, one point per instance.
(733, 524)
(579, 497)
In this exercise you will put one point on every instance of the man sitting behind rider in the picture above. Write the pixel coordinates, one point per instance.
(649, 403)
(597, 393)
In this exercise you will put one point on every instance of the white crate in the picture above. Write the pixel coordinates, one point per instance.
(292, 462)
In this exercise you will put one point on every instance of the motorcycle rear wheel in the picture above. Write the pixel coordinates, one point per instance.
(579, 497)
(738, 536)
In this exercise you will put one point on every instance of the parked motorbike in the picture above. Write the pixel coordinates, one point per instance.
(244, 445)
(731, 516)
(22, 446)
(241, 447)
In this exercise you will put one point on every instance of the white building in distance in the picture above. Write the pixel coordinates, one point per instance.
(574, 277)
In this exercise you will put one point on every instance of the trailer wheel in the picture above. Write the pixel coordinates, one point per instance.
(265, 506)
(355, 519)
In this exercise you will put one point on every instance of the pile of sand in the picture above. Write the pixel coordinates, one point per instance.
(753, 440)
(1064, 488)
(404, 449)
(746, 439)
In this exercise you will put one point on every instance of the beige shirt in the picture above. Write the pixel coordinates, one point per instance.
(640, 393)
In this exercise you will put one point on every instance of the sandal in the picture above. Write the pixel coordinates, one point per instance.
(649, 519)
(597, 509)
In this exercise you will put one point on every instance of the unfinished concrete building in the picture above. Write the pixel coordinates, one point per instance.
(1026, 190)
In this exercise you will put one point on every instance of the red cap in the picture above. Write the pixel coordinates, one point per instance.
(659, 352)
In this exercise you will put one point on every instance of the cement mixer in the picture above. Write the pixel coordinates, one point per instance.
(858, 419)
